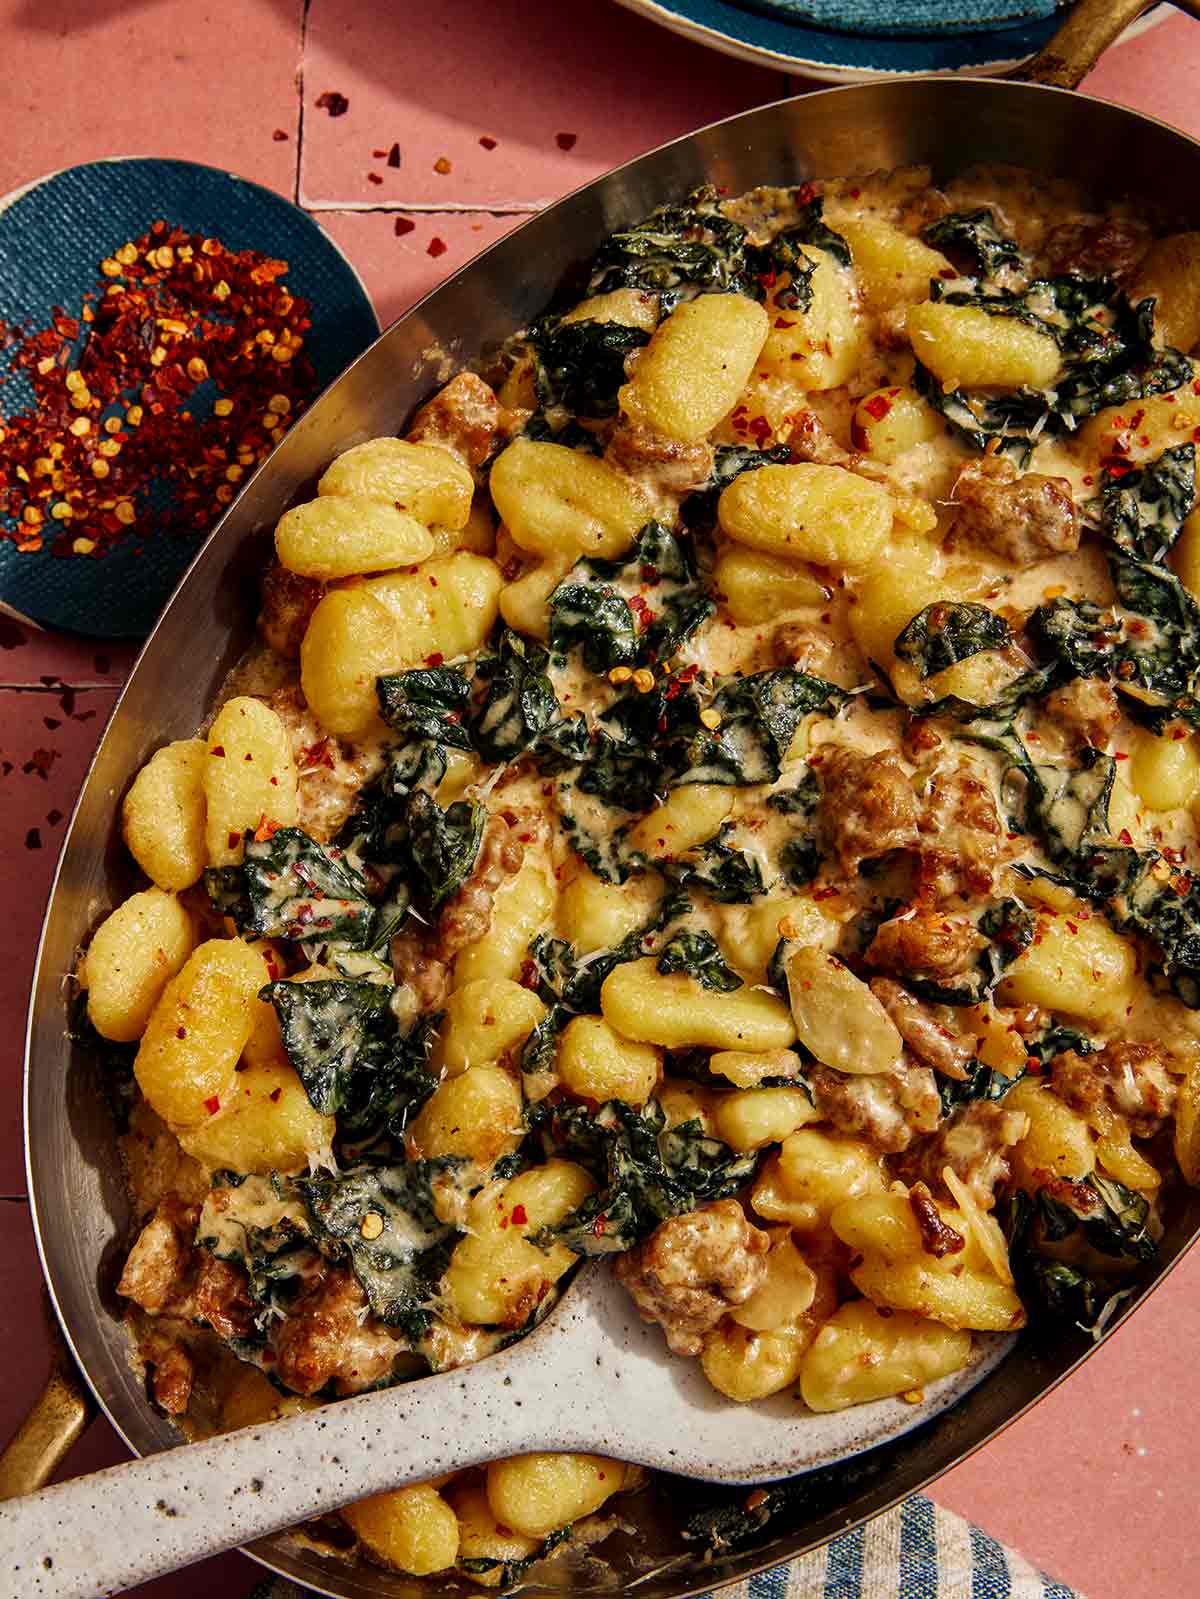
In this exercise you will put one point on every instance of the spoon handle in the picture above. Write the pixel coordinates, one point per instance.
(100, 1534)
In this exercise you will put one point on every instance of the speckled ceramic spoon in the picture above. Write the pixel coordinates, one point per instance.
(592, 1377)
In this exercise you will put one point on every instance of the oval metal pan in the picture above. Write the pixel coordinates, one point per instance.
(75, 1184)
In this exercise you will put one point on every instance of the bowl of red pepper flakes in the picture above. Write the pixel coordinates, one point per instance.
(162, 326)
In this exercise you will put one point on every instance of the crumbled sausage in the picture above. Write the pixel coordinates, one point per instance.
(1128, 1078)
(664, 466)
(867, 806)
(329, 1337)
(809, 440)
(1023, 519)
(1086, 708)
(693, 1269)
(331, 773)
(974, 1142)
(424, 980)
(1106, 248)
(467, 914)
(464, 418)
(288, 602)
(159, 1271)
(889, 1109)
(925, 943)
(930, 1040)
(938, 1238)
(962, 837)
(802, 645)
(173, 1374)
(221, 1297)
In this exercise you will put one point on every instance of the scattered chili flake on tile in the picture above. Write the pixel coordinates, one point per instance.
(437, 247)
(443, 165)
(33, 839)
(279, 135)
(373, 177)
(40, 763)
(101, 663)
(378, 155)
(336, 104)
(12, 634)
(487, 141)
(114, 420)
(403, 225)
(566, 141)
(393, 156)
(54, 817)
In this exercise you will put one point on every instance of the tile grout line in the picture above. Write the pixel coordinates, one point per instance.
(304, 10)
(512, 208)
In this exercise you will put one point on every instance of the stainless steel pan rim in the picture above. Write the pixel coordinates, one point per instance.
(74, 1190)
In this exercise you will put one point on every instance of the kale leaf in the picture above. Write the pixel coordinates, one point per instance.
(699, 509)
(785, 258)
(258, 1223)
(677, 252)
(1145, 507)
(520, 705)
(589, 609)
(759, 715)
(581, 365)
(699, 955)
(380, 1219)
(981, 1082)
(949, 631)
(1051, 1233)
(973, 242)
(326, 1027)
(296, 889)
(645, 1171)
(730, 876)
(444, 843)
(428, 703)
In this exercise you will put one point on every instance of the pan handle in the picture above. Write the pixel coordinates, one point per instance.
(1091, 26)
(58, 1418)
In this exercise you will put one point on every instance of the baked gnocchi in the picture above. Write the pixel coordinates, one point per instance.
(730, 805)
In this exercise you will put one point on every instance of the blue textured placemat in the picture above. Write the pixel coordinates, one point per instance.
(903, 18)
(918, 1551)
(52, 239)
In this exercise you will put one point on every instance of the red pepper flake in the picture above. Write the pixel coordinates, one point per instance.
(806, 194)
(336, 104)
(213, 1105)
(1125, 836)
(233, 839)
(266, 829)
(273, 1096)
(435, 659)
(373, 177)
(33, 838)
(181, 1032)
(1072, 928)
(393, 156)
(110, 417)
(600, 1225)
(436, 247)
(279, 135)
(879, 405)
(443, 166)
(566, 141)
(1120, 755)
(783, 322)
(402, 226)
(520, 1215)
(825, 893)
(487, 141)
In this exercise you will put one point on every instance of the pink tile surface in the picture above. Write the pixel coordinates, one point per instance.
(30, 655)
(398, 270)
(1158, 73)
(541, 84)
(1098, 1484)
(153, 77)
(41, 768)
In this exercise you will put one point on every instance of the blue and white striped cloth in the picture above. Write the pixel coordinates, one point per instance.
(919, 1551)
